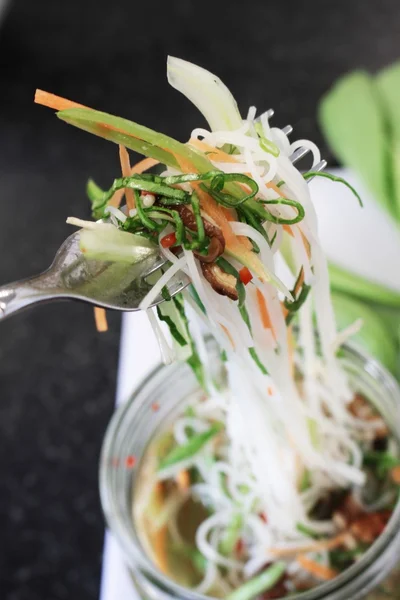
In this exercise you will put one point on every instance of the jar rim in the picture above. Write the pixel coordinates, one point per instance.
(128, 544)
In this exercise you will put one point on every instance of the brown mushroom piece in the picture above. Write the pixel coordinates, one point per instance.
(221, 282)
(216, 246)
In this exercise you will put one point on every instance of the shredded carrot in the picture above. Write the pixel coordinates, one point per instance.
(100, 318)
(183, 480)
(299, 282)
(316, 569)
(270, 391)
(306, 243)
(126, 171)
(228, 333)
(311, 547)
(288, 230)
(55, 102)
(160, 549)
(264, 313)
(395, 473)
(144, 165)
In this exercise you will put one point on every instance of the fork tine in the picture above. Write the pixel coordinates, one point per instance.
(157, 264)
(287, 130)
(317, 169)
(298, 155)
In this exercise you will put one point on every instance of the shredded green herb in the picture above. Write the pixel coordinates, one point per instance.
(311, 174)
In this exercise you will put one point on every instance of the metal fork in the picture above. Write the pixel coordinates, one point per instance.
(116, 286)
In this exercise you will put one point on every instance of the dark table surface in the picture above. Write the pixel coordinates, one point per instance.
(57, 375)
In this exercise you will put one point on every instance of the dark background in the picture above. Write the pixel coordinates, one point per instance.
(57, 375)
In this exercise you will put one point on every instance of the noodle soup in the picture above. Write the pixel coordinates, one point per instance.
(204, 523)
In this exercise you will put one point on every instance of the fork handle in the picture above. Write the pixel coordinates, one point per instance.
(21, 294)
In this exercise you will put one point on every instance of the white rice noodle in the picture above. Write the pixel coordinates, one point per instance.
(205, 546)
(116, 212)
(209, 579)
(164, 279)
(311, 146)
(299, 251)
(251, 113)
(88, 224)
(265, 251)
(347, 333)
(167, 354)
(184, 423)
(281, 140)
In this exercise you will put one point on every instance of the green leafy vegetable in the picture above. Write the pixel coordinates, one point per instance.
(388, 85)
(192, 447)
(374, 336)
(260, 583)
(353, 124)
(350, 283)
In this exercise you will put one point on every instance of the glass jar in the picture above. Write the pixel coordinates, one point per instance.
(135, 424)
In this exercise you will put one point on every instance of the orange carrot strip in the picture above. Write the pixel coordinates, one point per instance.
(138, 168)
(160, 549)
(311, 547)
(264, 313)
(395, 475)
(144, 165)
(56, 102)
(306, 243)
(100, 318)
(288, 230)
(316, 569)
(228, 333)
(299, 282)
(116, 198)
(183, 480)
(126, 171)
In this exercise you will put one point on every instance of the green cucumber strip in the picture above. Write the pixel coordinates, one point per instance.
(260, 583)
(191, 448)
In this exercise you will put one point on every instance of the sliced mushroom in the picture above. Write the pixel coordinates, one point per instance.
(221, 282)
(217, 241)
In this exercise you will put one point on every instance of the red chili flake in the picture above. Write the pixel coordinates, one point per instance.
(168, 240)
(245, 275)
(114, 462)
(263, 517)
(155, 406)
(270, 391)
(130, 462)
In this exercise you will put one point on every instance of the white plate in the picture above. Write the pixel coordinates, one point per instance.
(362, 240)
